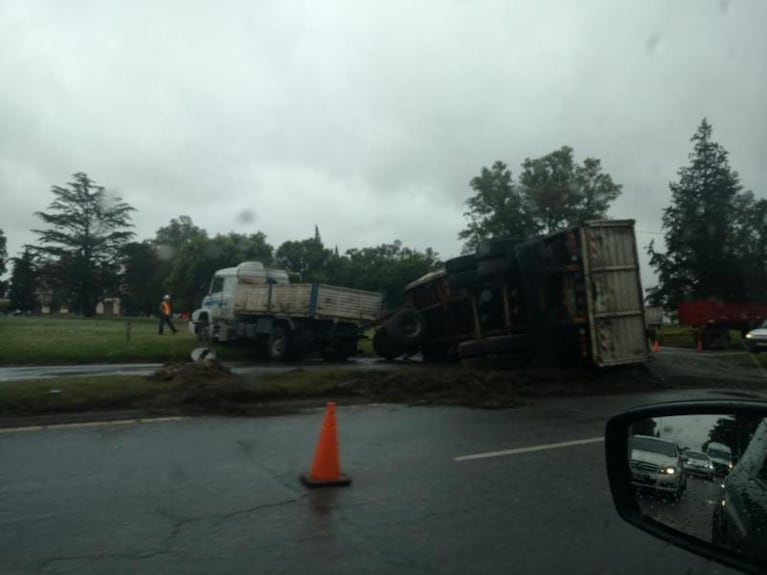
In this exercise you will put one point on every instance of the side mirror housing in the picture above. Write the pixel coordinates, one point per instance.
(713, 511)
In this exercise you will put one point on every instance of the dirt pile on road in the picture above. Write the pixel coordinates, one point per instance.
(193, 372)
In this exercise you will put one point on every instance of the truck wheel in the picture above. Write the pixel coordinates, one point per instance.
(461, 264)
(462, 279)
(407, 328)
(385, 346)
(471, 348)
(279, 343)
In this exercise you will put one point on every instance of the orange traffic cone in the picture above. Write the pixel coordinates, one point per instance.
(326, 469)
(656, 347)
(699, 345)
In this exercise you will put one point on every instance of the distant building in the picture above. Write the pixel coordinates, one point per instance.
(108, 307)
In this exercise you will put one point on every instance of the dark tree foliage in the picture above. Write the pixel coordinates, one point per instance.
(86, 229)
(24, 286)
(553, 192)
(3, 262)
(141, 287)
(735, 432)
(714, 234)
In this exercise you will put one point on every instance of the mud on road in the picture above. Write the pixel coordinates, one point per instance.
(211, 387)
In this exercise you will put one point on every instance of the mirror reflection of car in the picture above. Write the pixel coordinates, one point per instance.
(698, 463)
(740, 518)
(721, 457)
(656, 464)
(756, 339)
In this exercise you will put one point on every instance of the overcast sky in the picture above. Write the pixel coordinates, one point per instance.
(365, 118)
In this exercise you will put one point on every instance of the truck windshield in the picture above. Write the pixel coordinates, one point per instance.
(217, 285)
(653, 445)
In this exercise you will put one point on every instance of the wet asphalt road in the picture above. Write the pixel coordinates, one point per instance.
(693, 513)
(20, 373)
(216, 495)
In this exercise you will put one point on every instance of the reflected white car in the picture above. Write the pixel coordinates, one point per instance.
(698, 463)
(656, 464)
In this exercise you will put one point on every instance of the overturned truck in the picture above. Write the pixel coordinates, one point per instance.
(569, 298)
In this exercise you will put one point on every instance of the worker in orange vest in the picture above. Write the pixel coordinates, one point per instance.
(166, 315)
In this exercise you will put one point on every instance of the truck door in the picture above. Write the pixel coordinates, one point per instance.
(614, 293)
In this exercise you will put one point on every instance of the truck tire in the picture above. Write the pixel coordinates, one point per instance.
(507, 344)
(471, 348)
(386, 346)
(279, 344)
(462, 279)
(494, 267)
(407, 328)
(461, 264)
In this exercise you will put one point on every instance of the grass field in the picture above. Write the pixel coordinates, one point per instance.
(93, 393)
(47, 340)
(682, 336)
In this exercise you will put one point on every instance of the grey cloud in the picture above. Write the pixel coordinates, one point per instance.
(366, 118)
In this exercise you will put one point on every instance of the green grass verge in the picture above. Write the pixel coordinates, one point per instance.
(683, 336)
(49, 340)
(93, 393)
(68, 394)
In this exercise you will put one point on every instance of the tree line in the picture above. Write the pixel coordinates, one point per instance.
(715, 239)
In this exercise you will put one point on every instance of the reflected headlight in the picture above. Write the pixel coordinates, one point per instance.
(668, 470)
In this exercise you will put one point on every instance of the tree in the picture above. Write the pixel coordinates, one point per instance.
(497, 208)
(735, 432)
(87, 229)
(562, 193)
(189, 258)
(387, 268)
(308, 258)
(701, 229)
(24, 286)
(554, 192)
(3, 259)
(142, 277)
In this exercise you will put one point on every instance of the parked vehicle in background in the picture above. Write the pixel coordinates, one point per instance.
(251, 302)
(572, 297)
(698, 463)
(656, 464)
(756, 339)
(713, 320)
(721, 457)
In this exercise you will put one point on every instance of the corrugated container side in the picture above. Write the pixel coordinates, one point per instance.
(616, 303)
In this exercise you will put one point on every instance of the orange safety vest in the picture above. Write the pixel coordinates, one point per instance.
(165, 307)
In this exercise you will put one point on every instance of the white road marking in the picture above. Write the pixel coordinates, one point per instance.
(91, 424)
(529, 449)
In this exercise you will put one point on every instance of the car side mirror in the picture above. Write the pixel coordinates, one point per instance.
(705, 502)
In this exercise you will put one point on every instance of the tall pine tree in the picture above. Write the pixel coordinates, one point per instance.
(85, 229)
(700, 229)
